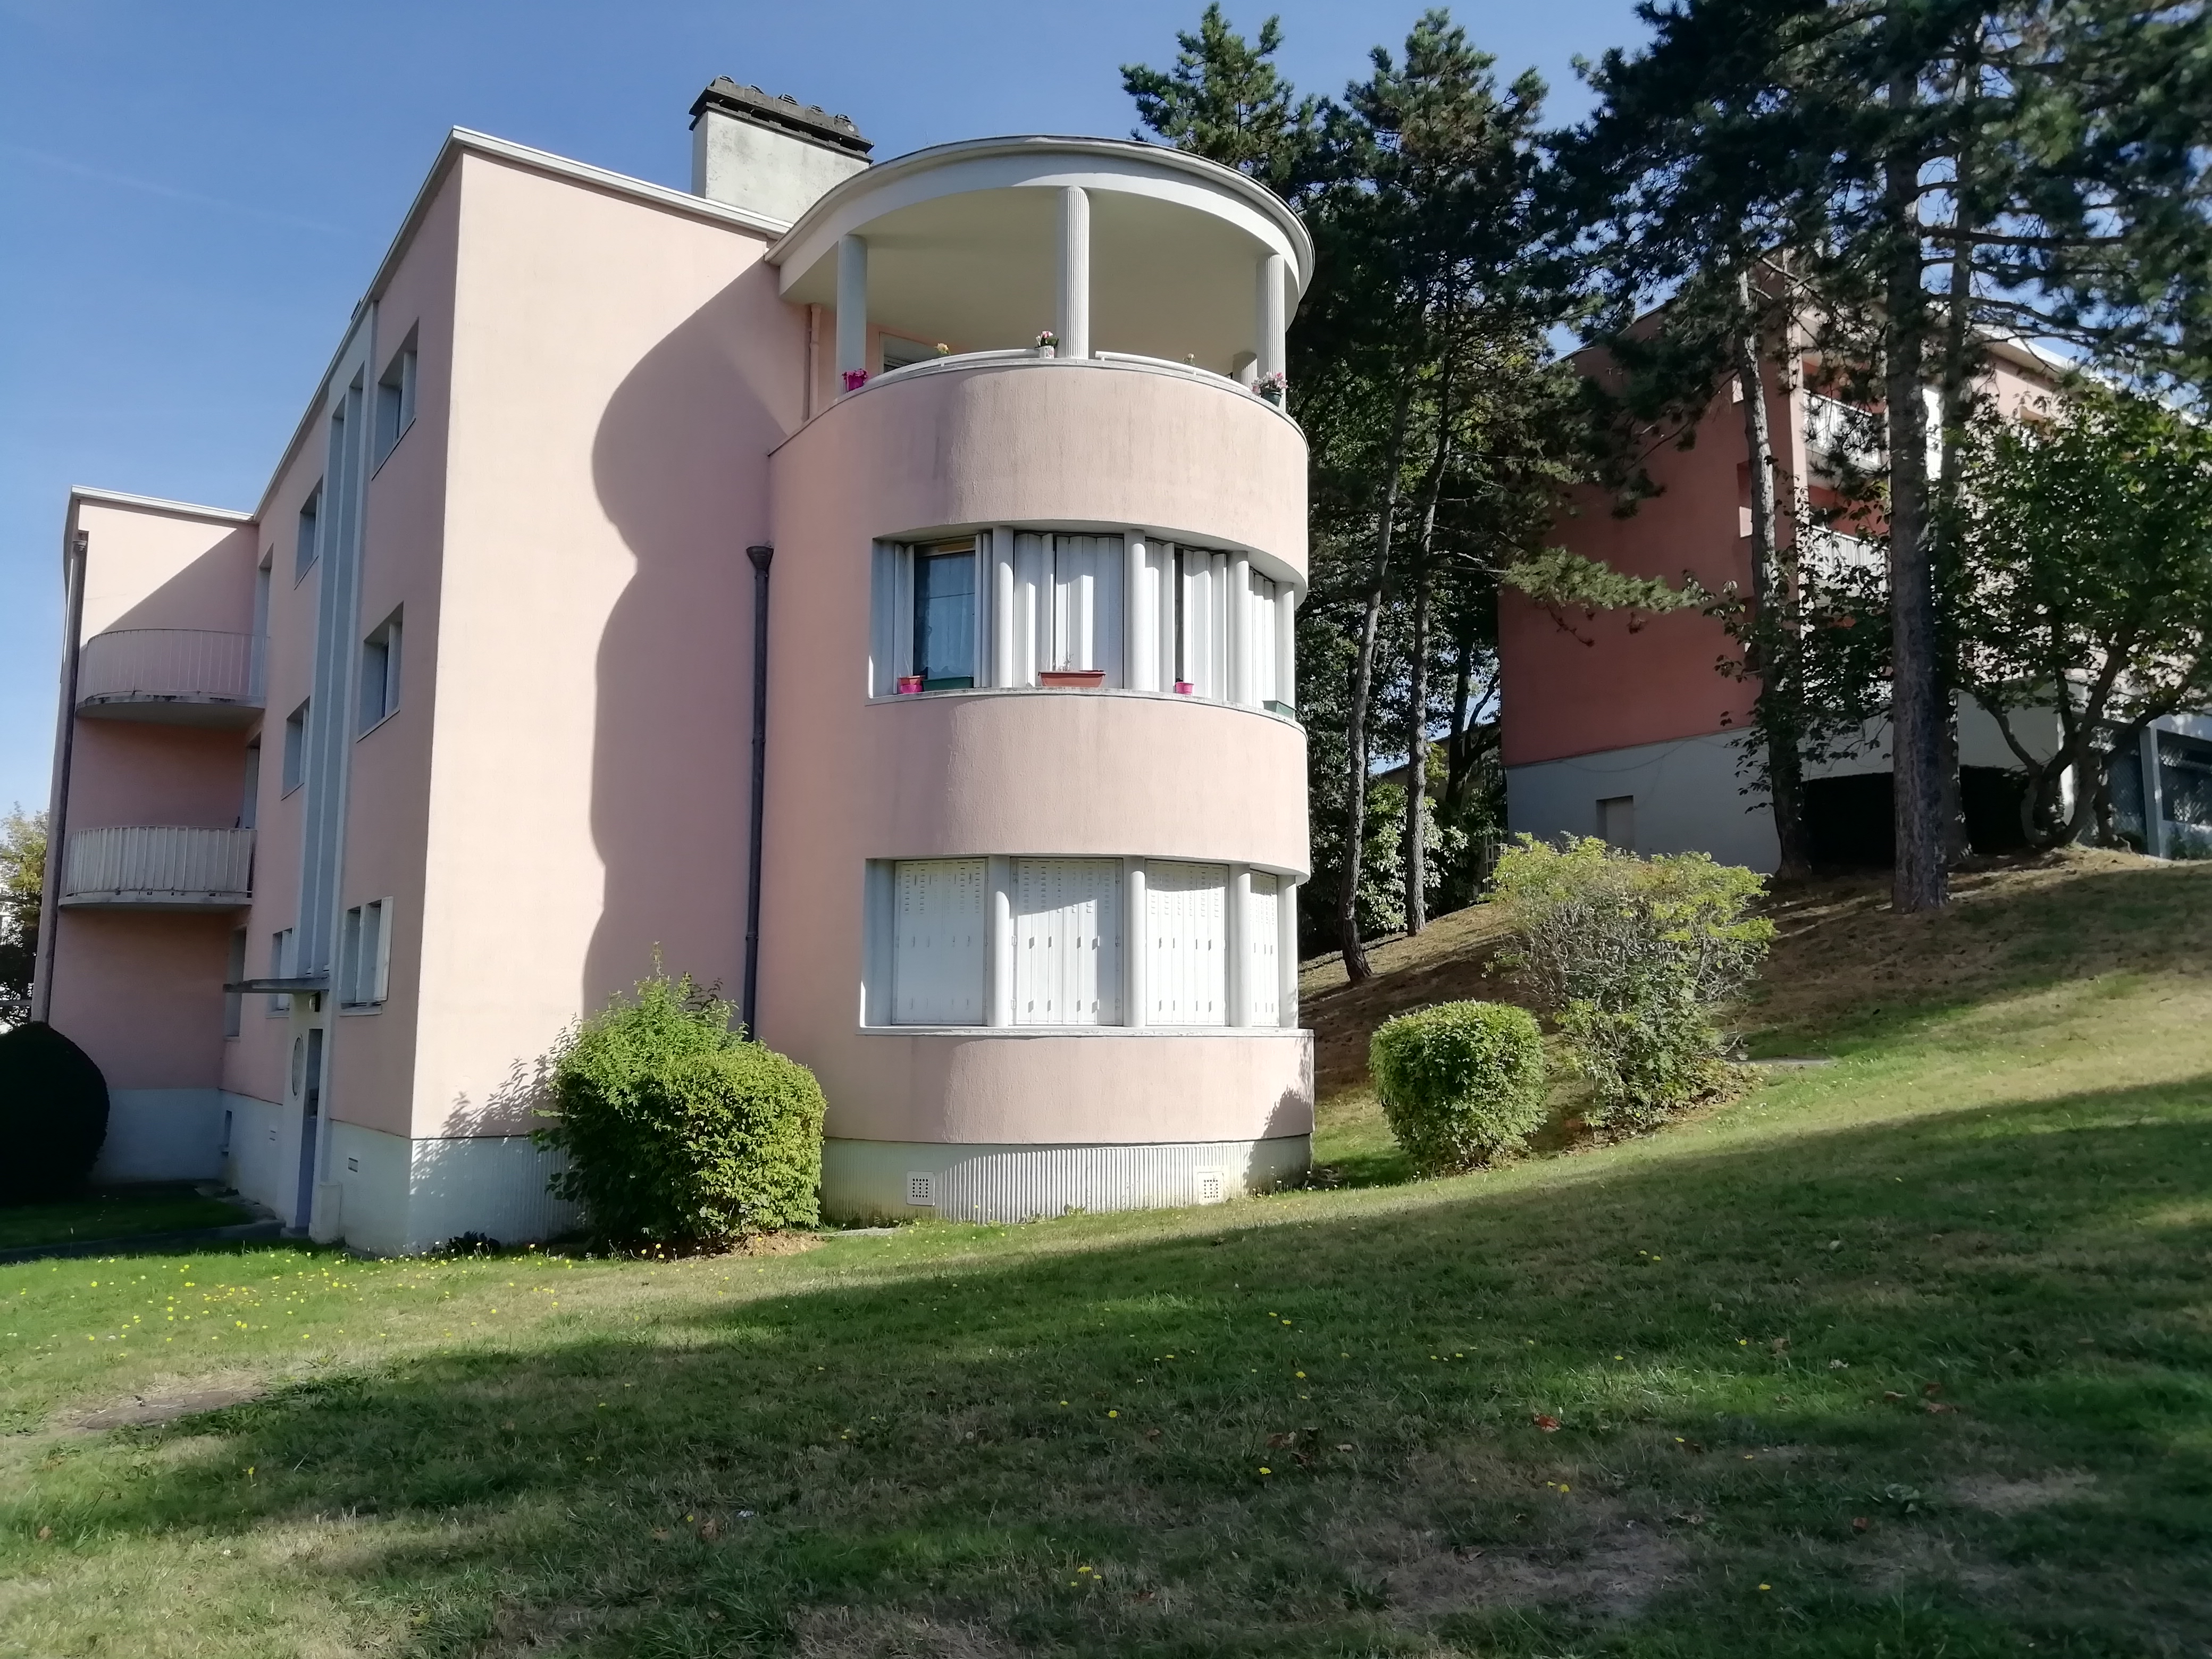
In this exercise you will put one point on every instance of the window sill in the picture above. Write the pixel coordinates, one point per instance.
(350, 1009)
(381, 722)
(1085, 1030)
(1274, 712)
(398, 438)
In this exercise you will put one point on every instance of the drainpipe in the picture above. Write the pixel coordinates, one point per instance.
(749, 1010)
(50, 892)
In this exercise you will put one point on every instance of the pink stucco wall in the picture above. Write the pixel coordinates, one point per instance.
(620, 372)
(1015, 772)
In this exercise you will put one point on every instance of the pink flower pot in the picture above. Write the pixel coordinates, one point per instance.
(909, 685)
(1072, 679)
(1183, 688)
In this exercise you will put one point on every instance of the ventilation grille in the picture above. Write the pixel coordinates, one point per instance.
(1209, 1186)
(922, 1189)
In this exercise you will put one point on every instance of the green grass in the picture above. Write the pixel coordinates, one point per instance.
(1908, 1355)
(123, 1212)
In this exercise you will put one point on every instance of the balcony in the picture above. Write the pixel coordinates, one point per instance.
(1841, 436)
(158, 867)
(171, 677)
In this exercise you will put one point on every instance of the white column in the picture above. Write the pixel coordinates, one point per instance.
(1286, 645)
(1139, 618)
(1239, 943)
(851, 307)
(1240, 629)
(1073, 323)
(2153, 794)
(1002, 605)
(1271, 325)
(1134, 940)
(999, 954)
(1286, 951)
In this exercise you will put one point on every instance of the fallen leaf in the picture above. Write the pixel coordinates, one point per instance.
(1860, 1524)
(1891, 1394)
(1932, 1388)
(1548, 1424)
(1276, 1442)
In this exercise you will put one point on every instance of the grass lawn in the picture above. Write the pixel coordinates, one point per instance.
(1906, 1355)
(119, 1213)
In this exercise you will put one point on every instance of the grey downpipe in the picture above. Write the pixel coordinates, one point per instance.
(49, 891)
(750, 1009)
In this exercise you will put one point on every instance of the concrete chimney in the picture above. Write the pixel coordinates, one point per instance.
(773, 156)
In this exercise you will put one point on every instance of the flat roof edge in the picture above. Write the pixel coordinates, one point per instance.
(160, 504)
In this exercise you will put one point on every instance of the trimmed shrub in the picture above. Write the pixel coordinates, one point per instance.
(1460, 1082)
(676, 1130)
(53, 1113)
(1632, 956)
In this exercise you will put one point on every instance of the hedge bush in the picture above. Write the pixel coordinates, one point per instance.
(1632, 956)
(676, 1130)
(53, 1113)
(1460, 1082)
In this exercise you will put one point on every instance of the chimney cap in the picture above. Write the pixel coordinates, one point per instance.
(808, 121)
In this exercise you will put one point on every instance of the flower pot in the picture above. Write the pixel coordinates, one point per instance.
(909, 685)
(855, 379)
(1046, 351)
(1072, 679)
(1183, 688)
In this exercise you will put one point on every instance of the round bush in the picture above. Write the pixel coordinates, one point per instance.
(678, 1131)
(1460, 1081)
(53, 1113)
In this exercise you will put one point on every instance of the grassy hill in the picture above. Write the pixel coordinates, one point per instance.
(1906, 1354)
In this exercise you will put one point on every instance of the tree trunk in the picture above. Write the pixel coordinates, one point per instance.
(1956, 398)
(1417, 704)
(1919, 881)
(1767, 642)
(1459, 748)
(1363, 689)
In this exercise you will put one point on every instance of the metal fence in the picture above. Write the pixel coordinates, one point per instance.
(159, 861)
(194, 663)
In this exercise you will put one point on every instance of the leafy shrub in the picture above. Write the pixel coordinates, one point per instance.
(678, 1131)
(1632, 956)
(1460, 1081)
(53, 1113)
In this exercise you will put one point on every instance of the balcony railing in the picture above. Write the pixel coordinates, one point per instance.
(180, 675)
(1840, 432)
(159, 867)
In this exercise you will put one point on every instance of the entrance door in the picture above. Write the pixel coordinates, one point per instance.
(306, 1092)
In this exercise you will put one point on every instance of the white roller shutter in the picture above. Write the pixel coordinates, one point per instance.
(1187, 934)
(1087, 580)
(1263, 980)
(1030, 624)
(936, 953)
(1265, 681)
(1067, 942)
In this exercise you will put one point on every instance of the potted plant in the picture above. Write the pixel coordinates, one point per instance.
(1183, 688)
(1048, 342)
(1274, 387)
(909, 685)
(1072, 679)
(855, 379)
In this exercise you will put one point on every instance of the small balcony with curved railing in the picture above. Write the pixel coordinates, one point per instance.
(158, 866)
(171, 677)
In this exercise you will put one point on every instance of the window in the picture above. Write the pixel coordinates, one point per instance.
(380, 673)
(365, 955)
(395, 400)
(1616, 822)
(234, 1002)
(902, 354)
(944, 617)
(295, 749)
(1187, 944)
(280, 967)
(1263, 983)
(1067, 942)
(249, 804)
(937, 951)
(309, 545)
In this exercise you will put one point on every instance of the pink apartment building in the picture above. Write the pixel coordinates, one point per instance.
(1623, 728)
(726, 575)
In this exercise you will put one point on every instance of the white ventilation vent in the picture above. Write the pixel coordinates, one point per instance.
(353, 1165)
(922, 1189)
(1209, 1186)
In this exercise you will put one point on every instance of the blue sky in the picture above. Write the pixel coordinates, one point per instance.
(194, 196)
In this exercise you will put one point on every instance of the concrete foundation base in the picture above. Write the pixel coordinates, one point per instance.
(894, 1180)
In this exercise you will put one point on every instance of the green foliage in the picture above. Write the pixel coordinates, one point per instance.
(1460, 1081)
(1632, 956)
(53, 1113)
(1560, 582)
(22, 876)
(1225, 100)
(676, 1130)
(2088, 544)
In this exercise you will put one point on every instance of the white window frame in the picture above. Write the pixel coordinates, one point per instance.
(378, 696)
(365, 957)
(295, 757)
(395, 399)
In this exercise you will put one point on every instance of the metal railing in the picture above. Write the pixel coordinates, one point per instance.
(180, 665)
(1837, 431)
(154, 864)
